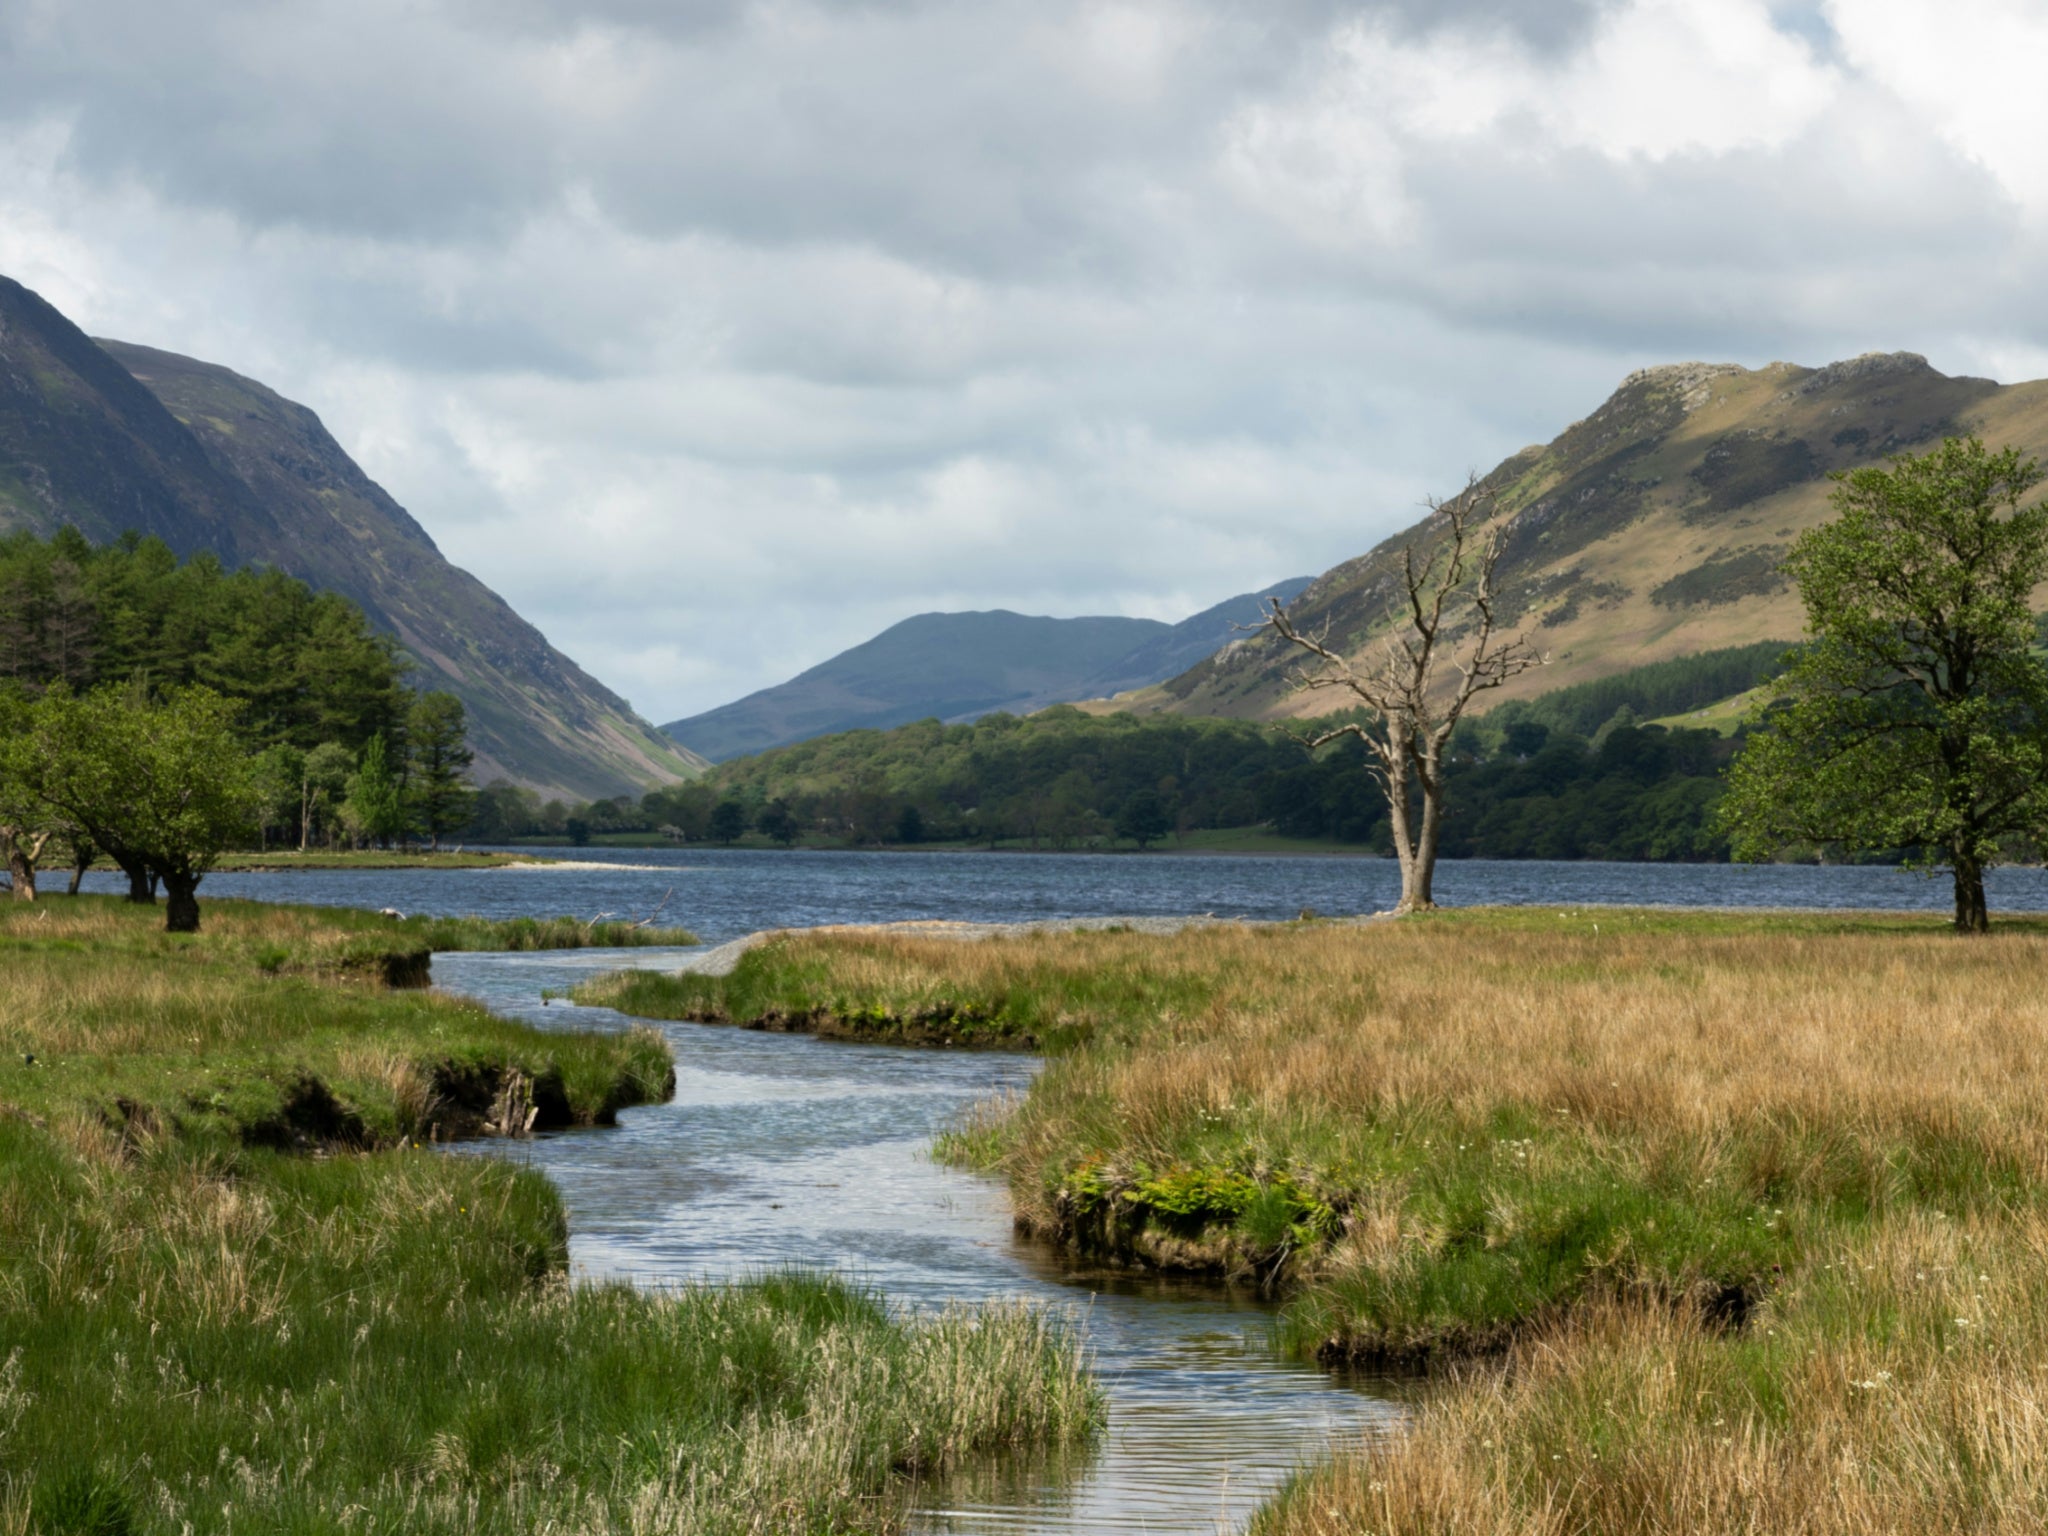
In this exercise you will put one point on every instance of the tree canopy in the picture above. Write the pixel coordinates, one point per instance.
(162, 784)
(1917, 716)
(306, 666)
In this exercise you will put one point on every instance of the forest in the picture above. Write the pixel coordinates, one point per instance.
(1579, 772)
(157, 710)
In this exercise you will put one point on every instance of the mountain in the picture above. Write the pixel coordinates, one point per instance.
(959, 666)
(1653, 528)
(108, 437)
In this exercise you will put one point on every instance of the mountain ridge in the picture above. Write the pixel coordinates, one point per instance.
(1648, 529)
(110, 436)
(960, 666)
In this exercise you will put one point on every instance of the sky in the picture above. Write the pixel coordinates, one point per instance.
(718, 335)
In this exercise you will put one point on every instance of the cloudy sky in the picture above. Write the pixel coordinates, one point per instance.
(718, 335)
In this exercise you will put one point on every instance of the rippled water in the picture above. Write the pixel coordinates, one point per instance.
(723, 893)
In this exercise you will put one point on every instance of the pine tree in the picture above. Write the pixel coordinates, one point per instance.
(439, 785)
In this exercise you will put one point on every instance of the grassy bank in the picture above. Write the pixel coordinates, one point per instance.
(1708, 1221)
(236, 1293)
(371, 858)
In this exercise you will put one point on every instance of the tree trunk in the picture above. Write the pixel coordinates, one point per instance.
(140, 889)
(82, 855)
(21, 871)
(1397, 817)
(1971, 914)
(181, 911)
(1422, 897)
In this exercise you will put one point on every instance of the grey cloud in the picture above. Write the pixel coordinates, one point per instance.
(682, 323)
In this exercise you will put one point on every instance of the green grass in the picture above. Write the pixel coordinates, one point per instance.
(370, 858)
(238, 1292)
(848, 989)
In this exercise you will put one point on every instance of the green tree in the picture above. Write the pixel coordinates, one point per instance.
(728, 821)
(439, 783)
(910, 825)
(503, 811)
(280, 774)
(1144, 818)
(1917, 718)
(166, 782)
(375, 809)
(775, 821)
(324, 788)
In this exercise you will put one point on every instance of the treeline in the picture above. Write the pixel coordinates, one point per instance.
(1523, 781)
(157, 711)
(341, 748)
(306, 667)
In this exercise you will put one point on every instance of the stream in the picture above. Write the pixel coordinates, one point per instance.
(782, 1150)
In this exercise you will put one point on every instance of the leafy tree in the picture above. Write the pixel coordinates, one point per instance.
(375, 809)
(280, 776)
(1144, 818)
(776, 822)
(439, 783)
(910, 825)
(578, 829)
(323, 787)
(1917, 718)
(728, 821)
(307, 666)
(503, 810)
(166, 782)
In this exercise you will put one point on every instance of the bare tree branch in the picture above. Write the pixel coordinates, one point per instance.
(1401, 682)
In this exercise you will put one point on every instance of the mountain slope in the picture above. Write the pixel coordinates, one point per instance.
(958, 666)
(1651, 529)
(109, 437)
(1190, 641)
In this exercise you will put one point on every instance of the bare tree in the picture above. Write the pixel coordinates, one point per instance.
(1416, 683)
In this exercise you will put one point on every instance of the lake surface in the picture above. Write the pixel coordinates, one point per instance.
(785, 1150)
(723, 893)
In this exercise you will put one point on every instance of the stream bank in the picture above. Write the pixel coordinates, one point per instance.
(788, 1149)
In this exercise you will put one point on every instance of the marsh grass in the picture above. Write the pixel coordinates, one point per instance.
(242, 1029)
(202, 1332)
(1705, 1221)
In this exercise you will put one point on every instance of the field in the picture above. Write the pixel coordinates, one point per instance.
(1696, 1222)
(239, 1289)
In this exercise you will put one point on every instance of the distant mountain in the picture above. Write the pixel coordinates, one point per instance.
(108, 437)
(960, 666)
(1650, 530)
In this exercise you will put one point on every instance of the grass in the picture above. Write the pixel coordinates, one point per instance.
(237, 1293)
(1703, 1222)
(370, 858)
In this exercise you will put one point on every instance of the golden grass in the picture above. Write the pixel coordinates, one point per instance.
(1540, 1149)
(1655, 1033)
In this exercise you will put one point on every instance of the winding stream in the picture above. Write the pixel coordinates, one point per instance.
(780, 1150)
(783, 1150)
